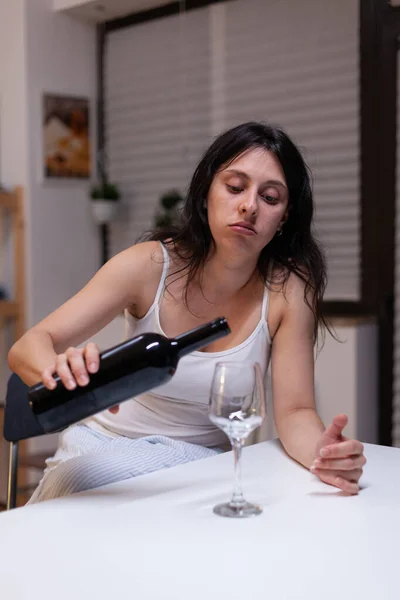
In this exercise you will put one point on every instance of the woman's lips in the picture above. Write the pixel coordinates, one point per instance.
(243, 229)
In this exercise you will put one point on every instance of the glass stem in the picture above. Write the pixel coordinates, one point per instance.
(237, 496)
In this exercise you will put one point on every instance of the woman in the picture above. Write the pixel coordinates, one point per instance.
(244, 250)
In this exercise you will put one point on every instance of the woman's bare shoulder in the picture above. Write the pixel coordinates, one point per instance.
(148, 258)
(149, 261)
(289, 285)
(118, 284)
(287, 297)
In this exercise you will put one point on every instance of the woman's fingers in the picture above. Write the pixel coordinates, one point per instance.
(47, 377)
(353, 475)
(65, 373)
(347, 481)
(73, 367)
(77, 365)
(92, 357)
(341, 464)
(342, 449)
(337, 480)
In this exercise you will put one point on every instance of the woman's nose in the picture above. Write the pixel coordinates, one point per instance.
(249, 203)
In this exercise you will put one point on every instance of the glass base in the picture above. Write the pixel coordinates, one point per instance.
(239, 512)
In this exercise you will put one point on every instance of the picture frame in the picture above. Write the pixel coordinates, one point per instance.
(67, 140)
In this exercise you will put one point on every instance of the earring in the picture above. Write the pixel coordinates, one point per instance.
(279, 231)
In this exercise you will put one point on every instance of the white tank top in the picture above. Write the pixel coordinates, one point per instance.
(179, 408)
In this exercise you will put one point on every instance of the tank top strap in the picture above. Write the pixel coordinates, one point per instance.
(164, 274)
(265, 302)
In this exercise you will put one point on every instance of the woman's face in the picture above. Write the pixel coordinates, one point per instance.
(248, 201)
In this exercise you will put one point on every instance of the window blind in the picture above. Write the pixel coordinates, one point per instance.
(173, 84)
(156, 114)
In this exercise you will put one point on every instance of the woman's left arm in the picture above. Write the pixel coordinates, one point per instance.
(325, 451)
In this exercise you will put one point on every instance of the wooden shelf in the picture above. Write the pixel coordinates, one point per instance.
(15, 309)
(8, 201)
(12, 214)
(8, 310)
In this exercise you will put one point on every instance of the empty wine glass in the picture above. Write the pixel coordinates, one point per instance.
(237, 406)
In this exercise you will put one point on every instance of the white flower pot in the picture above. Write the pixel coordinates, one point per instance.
(104, 211)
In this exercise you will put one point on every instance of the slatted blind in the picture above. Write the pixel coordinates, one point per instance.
(157, 113)
(396, 357)
(291, 63)
(296, 64)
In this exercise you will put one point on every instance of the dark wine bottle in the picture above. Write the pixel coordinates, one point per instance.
(128, 369)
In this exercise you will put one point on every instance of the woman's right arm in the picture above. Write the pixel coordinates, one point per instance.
(49, 347)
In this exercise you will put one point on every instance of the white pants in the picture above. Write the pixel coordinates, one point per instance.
(86, 459)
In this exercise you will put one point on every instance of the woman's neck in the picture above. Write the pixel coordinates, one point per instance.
(223, 276)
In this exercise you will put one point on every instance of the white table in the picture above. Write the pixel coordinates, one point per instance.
(156, 537)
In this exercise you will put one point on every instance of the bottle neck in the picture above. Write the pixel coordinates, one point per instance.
(201, 336)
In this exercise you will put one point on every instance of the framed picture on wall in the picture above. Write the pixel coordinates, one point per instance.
(66, 137)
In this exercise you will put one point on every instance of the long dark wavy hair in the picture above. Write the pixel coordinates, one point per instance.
(296, 250)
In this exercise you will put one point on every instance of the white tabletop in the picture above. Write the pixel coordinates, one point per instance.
(155, 537)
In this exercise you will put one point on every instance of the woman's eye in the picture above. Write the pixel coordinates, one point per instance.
(271, 199)
(234, 189)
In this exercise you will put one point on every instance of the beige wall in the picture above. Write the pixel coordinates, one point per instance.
(44, 51)
(64, 247)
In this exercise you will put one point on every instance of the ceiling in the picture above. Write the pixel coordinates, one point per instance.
(103, 10)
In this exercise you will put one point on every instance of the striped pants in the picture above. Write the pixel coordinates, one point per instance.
(87, 459)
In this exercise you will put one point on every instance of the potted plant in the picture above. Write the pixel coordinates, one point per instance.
(168, 216)
(104, 203)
